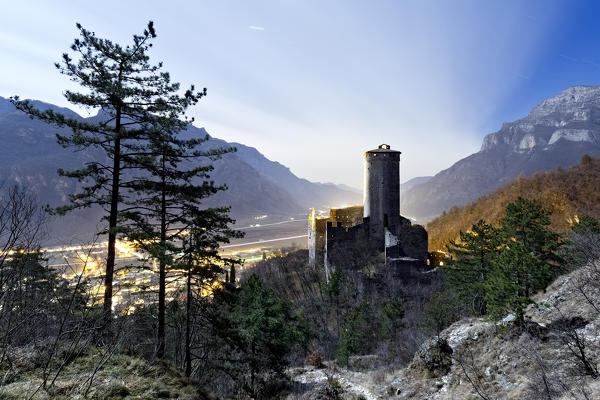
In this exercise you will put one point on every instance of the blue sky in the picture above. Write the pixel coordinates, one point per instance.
(313, 84)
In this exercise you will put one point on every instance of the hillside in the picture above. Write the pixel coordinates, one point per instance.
(556, 133)
(567, 193)
(500, 361)
(411, 183)
(485, 360)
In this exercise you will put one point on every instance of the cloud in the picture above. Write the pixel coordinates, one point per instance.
(519, 75)
(256, 28)
(589, 62)
(568, 58)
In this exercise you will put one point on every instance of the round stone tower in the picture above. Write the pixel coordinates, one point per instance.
(382, 191)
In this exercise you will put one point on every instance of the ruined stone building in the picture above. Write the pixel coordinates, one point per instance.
(377, 221)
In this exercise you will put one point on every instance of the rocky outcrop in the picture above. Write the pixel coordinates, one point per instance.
(573, 115)
(542, 360)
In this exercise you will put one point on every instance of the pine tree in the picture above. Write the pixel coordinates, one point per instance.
(474, 252)
(508, 287)
(527, 261)
(258, 331)
(586, 159)
(202, 263)
(586, 225)
(527, 222)
(351, 336)
(169, 198)
(441, 310)
(137, 100)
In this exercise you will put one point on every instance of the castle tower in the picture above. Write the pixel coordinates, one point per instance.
(382, 191)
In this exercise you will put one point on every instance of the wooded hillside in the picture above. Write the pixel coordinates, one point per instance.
(567, 193)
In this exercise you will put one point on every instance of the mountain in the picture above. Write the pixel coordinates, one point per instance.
(305, 193)
(411, 183)
(256, 185)
(556, 133)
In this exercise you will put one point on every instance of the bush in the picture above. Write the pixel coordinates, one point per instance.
(257, 331)
(351, 334)
(315, 359)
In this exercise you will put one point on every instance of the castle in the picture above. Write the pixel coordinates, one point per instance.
(377, 222)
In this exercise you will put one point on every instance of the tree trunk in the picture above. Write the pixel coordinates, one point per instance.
(112, 225)
(188, 317)
(232, 275)
(160, 345)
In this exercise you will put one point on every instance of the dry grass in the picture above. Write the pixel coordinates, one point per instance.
(121, 377)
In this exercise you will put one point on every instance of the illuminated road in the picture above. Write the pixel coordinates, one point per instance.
(271, 224)
(259, 237)
(263, 241)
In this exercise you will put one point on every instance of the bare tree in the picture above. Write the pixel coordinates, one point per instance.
(472, 372)
(21, 228)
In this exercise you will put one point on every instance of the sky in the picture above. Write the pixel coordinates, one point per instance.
(314, 84)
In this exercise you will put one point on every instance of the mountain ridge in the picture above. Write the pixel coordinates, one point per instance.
(256, 185)
(556, 133)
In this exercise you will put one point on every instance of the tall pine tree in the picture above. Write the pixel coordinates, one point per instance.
(509, 284)
(137, 100)
(202, 263)
(528, 223)
(173, 182)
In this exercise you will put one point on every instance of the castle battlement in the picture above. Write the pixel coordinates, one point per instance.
(377, 221)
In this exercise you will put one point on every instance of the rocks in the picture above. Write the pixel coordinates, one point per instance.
(335, 383)
(508, 363)
(435, 357)
(509, 318)
(363, 363)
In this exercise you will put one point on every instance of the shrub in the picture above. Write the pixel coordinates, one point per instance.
(351, 334)
(315, 359)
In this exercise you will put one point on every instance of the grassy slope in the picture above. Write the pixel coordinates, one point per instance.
(120, 377)
(567, 193)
